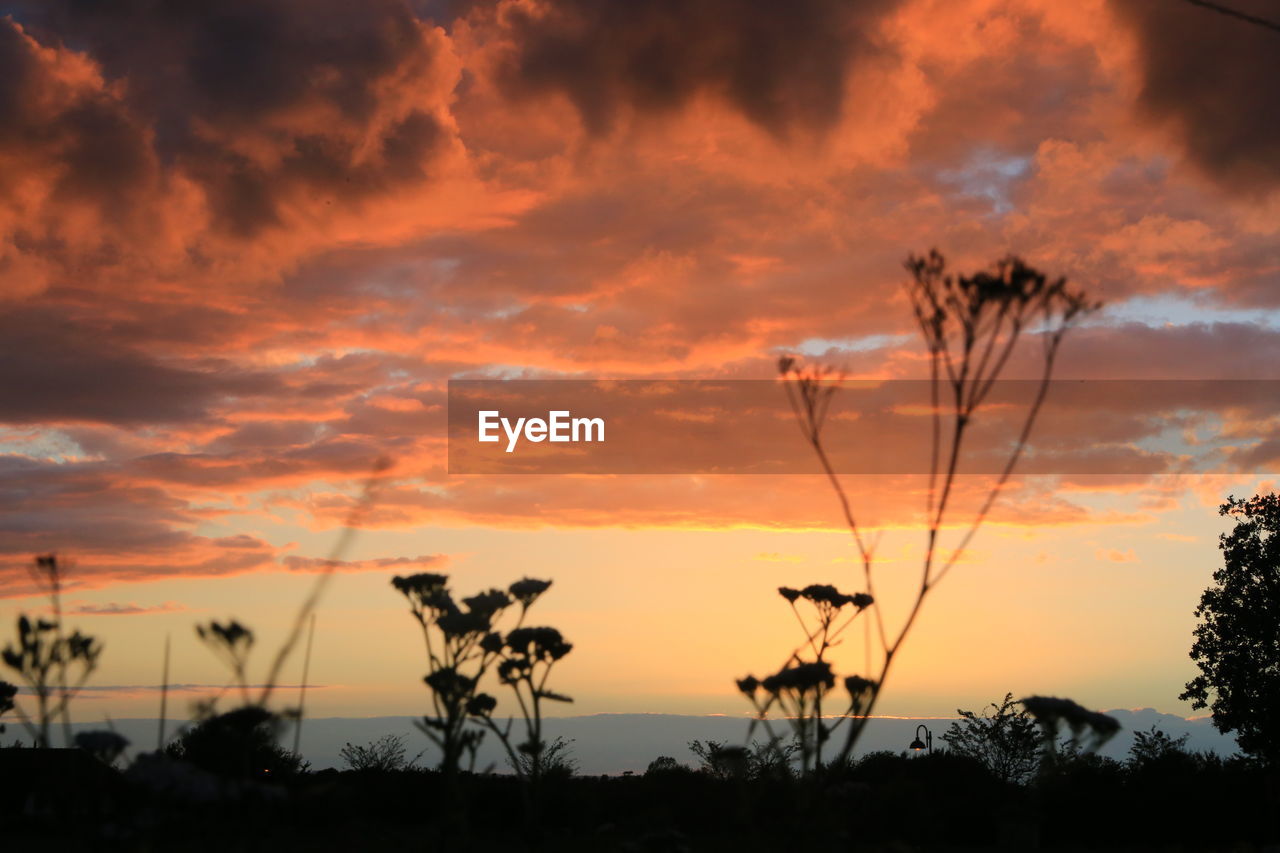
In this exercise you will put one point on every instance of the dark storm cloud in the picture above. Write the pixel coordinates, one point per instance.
(53, 369)
(783, 65)
(103, 151)
(1213, 78)
(309, 77)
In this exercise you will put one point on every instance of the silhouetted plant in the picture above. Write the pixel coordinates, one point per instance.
(1237, 643)
(7, 693)
(1088, 729)
(797, 690)
(556, 761)
(231, 643)
(527, 658)
(720, 760)
(665, 764)
(772, 760)
(387, 753)
(461, 640)
(1154, 747)
(1003, 738)
(464, 644)
(239, 744)
(106, 746)
(761, 760)
(970, 325)
(245, 736)
(54, 665)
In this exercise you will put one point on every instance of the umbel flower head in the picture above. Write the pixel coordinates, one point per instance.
(800, 678)
(1050, 711)
(425, 591)
(538, 644)
(488, 603)
(459, 623)
(527, 590)
(231, 638)
(450, 685)
(824, 595)
(860, 691)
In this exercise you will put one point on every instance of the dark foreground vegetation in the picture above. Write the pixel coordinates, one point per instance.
(1165, 799)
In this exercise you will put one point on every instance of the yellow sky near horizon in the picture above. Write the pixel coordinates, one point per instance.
(663, 619)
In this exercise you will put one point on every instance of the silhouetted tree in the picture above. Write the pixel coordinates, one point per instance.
(106, 746)
(1155, 749)
(1237, 643)
(1003, 738)
(240, 744)
(665, 764)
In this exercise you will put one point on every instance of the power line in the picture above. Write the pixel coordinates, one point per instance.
(1236, 13)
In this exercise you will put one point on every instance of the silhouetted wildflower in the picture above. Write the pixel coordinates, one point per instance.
(488, 603)
(420, 584)
(857, 685)
(971, 325)
(815, 676)
(463, 645)
(232, 642)
(544, 644)
(459, 623)
(1050, 712)
(425, 591)
(527, 590)
(798, 690)
(232, 635)
(55, 666)
(450, 684)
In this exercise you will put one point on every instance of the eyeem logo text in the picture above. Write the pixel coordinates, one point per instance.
(559, 426)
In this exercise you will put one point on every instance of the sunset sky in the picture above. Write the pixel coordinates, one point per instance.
(244, 246)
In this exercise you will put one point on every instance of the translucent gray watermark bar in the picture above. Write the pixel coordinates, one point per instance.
(642, 426)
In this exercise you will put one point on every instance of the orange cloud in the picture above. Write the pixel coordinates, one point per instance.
(232, 279)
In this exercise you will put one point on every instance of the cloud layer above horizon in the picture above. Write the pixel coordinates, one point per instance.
(244, 246)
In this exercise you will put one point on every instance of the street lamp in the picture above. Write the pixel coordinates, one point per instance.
(926, 744)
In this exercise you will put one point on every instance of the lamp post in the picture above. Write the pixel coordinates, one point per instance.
(926, 744)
